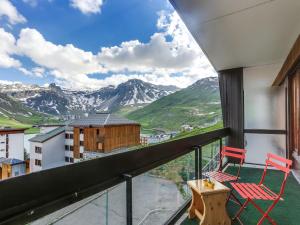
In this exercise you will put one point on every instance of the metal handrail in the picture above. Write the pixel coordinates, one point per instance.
(29, 197)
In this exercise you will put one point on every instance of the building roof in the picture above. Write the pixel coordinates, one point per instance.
(45, 137)
(101, 119)
(11, 161)
(12, 130)
(51, 125)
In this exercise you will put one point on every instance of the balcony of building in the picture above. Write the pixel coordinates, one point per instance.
(254, 46)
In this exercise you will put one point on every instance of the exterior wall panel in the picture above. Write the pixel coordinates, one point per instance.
(76, 143)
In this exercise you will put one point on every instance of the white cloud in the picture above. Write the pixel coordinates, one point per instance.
(87, 6)
(7, 49)
(7, 9)
(34, 72)
(157, 54)
(68, 59)
(171, 57)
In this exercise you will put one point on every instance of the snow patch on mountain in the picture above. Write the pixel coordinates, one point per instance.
(58, 101)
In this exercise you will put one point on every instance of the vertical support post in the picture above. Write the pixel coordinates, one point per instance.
(196, 163)
(128, 198)
(106, 213)
(220, 155)
(200, 161)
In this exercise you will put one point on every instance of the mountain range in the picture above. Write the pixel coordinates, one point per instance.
(55, 100)
(197, 105)
(154, 106)
(13, 111)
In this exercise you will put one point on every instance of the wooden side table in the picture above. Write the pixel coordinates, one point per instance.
(209, 205)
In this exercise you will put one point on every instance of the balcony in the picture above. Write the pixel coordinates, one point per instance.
(289, 204)
(136, 191)
(260, 106)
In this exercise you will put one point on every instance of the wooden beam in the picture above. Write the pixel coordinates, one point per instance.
(290, 63)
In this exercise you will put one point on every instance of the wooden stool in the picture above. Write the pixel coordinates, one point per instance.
(209, 205)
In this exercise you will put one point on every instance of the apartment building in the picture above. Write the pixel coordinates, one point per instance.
(104, 132)
(12, 143)
(47, 150)
(83, 138)
(11, 168)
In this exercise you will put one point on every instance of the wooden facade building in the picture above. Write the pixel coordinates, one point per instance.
(104, 132)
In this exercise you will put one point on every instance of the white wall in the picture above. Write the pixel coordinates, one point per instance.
(53, 153)
(16, 146)
(81, 137)
(33, 156)
(264, 108)
(3, 145)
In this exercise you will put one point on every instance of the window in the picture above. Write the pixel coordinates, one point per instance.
(71, 148)
(38, 162)
(81, 155)
(81, 131)
(67, 147)
(98, 131)
(67, 136)
(71, 160)
(81, 143)
(38, 150)
(71, 136)
(67, 159)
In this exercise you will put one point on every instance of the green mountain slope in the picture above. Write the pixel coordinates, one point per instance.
(15, 114)
(196, 105)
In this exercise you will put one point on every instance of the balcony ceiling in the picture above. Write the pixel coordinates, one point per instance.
(242, 33)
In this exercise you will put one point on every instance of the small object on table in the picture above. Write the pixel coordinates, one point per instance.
(208, 183)
(209, 202)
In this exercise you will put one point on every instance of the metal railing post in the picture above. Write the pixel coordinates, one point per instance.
(196, 163)
(200, 161)
(220, 155)
(128, 198)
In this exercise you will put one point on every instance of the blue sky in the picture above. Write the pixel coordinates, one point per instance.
(94, 43)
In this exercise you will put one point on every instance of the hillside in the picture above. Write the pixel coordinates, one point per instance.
(196, 105)
(15, 114)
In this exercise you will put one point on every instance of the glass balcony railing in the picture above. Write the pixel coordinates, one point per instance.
(142, 186)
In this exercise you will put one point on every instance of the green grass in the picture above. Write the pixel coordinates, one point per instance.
(196, 105)
(124, 111)
(286, 212)
(182, 169)
(198, 131)
(9, 122)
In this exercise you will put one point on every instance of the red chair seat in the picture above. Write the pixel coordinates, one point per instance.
(254, 191)
(220, 176)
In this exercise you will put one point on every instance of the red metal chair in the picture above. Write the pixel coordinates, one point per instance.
(222, 177)
(251, 191)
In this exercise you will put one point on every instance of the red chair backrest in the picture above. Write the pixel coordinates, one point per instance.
(237, 153)
(279, 162)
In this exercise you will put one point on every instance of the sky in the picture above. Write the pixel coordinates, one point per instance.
(90, 44)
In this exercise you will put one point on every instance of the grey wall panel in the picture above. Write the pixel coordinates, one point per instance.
(231, 91)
